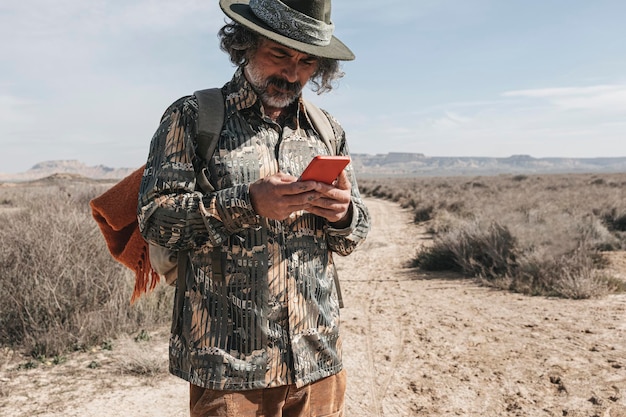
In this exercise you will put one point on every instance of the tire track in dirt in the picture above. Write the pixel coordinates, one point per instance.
(372, 377)
(374, 337)
(382, 374)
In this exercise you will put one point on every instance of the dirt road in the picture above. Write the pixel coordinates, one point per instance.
(434, 345)
(415, 344)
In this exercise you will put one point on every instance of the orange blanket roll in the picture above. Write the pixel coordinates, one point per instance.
(115, 212)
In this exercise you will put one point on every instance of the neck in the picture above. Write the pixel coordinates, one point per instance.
(273, 113)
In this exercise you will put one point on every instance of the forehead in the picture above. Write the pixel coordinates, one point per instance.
(269, 44)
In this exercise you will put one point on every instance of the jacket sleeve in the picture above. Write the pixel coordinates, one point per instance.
(344, 241)
(172, 212)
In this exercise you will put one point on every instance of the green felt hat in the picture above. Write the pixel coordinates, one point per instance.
(303, 25)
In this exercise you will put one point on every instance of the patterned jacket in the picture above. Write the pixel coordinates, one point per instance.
(260, 306)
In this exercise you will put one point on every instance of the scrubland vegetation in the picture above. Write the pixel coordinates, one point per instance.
(533, 234)
(538, 235)
(61, 290)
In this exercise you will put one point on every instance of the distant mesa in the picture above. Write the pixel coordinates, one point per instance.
(417, 164)
(72, 169)
(392, 164)
(521, 158)
(67, 165)
(404, 156)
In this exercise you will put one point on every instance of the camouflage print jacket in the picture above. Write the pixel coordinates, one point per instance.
(268, 315)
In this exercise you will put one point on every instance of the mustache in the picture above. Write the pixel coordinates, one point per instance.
(284, 85)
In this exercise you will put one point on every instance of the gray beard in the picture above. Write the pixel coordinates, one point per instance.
(259, 84)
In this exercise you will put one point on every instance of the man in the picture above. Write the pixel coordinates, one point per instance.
(257, 331)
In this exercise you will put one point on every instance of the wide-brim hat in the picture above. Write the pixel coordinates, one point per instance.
(303, 25)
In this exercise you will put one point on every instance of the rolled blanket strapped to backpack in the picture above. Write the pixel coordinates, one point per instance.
(115, 212)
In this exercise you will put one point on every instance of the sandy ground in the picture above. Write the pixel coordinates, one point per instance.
(415, 344)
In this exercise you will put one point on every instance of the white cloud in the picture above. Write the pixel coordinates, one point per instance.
(610, 98)
(561, 91)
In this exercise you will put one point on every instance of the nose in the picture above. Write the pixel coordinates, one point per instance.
(290, 71)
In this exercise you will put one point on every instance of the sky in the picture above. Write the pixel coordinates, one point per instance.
(88, 80)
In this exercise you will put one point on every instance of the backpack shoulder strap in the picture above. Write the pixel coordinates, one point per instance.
(210, 120)
(322, 125)
(208, 128)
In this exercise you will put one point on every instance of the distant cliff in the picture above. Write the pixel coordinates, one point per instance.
(48, 168)
(389, 164)
(415, 164)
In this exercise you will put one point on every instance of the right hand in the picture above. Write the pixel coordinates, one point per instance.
(279, 195)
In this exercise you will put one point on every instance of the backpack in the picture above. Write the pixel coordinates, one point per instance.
(209, 125)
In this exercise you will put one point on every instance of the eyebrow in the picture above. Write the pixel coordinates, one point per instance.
(285, 51)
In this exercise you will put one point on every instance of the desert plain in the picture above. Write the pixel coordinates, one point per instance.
(415, 344)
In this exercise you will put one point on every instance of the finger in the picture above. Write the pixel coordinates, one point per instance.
(340, 190)
(335, 195)
(304, 200)
(284, 177)
(328, 214)
(334, 204)
(297, 187)
(342, 181)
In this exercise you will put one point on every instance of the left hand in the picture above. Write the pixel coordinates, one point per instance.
(333, 202)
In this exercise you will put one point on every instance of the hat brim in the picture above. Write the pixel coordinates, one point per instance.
(239, 11)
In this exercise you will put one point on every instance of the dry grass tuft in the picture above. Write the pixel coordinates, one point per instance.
(142, 363)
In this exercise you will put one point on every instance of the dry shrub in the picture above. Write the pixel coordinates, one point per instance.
(423, 213)
(615, 219)
(492, 255)
(576, 275)
(535, 234)
(582, 281)
(61, 288)
(141, 365)
(140, 359)
(438, 257)
(594, 235)
(485, 252)
(488, 253)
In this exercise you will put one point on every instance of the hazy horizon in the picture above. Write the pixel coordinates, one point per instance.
(86, 165)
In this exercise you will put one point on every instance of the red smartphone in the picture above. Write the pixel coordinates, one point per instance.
(324, 168)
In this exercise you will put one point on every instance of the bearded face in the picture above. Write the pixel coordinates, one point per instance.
(278, 73)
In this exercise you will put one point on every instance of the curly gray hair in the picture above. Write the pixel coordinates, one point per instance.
(240, 44)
